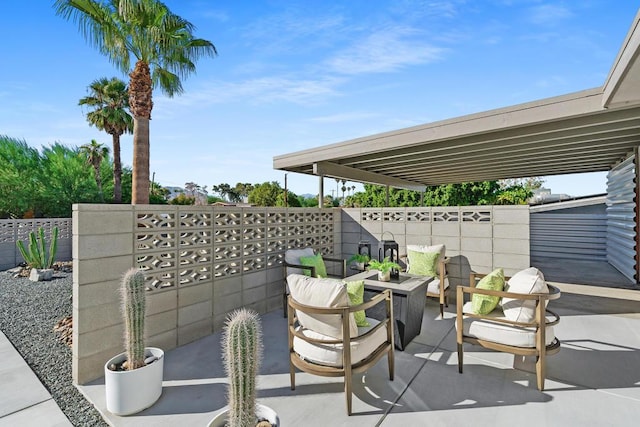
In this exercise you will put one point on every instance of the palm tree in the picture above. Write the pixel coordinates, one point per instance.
(163, 47)
(110, 99)
(95, 152)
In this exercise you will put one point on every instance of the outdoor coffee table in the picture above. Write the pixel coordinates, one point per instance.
(409, 298)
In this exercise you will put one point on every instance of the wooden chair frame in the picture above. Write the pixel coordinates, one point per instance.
(443, 294)
(539, 323)
(285, 265)
(347, 368)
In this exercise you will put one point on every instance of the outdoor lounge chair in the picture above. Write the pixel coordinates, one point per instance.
(522, 325)
(293, 265)
(439, 286)
(323, 337)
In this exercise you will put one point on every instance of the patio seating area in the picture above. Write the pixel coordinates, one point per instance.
(593, 380)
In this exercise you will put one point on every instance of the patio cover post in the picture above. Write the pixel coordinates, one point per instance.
(321, 191)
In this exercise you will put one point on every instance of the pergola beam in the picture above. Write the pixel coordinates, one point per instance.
(344, 172)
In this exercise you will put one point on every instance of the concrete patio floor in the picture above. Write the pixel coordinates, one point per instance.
(594, 380)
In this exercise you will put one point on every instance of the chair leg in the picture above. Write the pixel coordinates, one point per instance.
(391, 361)
(292, 375)
(540, 372)
(460, 357)
(442, 311)
(347, 392)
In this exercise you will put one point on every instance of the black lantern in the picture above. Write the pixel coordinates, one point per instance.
(364, 248)
(389, 249)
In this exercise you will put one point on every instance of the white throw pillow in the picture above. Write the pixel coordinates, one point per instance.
(292, 256)
(433, 248)
(528, 281)
(326, 293)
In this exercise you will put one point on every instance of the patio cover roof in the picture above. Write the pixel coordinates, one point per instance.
(587, 131)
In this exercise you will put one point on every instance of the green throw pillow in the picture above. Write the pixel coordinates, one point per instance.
(423, 263)
(356, 296)
(484, 304)
(314, 261)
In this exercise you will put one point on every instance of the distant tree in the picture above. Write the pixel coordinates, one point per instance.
(183, 199)
(242, 190)
(110, 101)
(20, 183)
(292, 200)
(225, 191)
(67, 180)
(266, 194)
(94, 153)
(164, 47)
(308, 202)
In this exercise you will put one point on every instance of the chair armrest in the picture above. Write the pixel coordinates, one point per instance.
(285, 264)
(554, 293)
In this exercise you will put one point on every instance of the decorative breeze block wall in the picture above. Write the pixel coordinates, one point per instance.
(13, 230)
(200, 264)
(477, 238)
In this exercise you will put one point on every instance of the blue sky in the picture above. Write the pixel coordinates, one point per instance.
(292, 75)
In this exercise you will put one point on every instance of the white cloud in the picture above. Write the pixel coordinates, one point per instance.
(548, 14)
(345, 117)
(386, 50)
(257, 91)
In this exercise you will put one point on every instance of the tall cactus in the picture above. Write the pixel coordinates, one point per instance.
(133, 310)
(242, 352)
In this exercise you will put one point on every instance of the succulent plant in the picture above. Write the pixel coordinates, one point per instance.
(37, 256)
(133, 310)
(242, 352)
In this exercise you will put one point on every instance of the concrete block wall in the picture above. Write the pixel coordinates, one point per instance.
(13, 230)
(477, 238)
(200, 262)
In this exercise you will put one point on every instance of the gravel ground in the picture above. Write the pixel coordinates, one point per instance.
(29, 312)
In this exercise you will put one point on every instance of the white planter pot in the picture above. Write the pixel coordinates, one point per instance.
(384, 277)
(129, 392)
(40, 274)
(262, 412)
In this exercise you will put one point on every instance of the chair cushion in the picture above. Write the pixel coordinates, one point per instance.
(323, 293)
(441, 249)
(292, 256)
(355, 290)
(494, 281)
(314, 261)
(331, 354)
(528, 281)
(423, 263)
(501, 333)
(433, 287)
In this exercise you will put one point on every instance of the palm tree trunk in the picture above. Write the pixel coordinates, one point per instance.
(117, 169)
(140, 190)
(96, 168)
(140, 103)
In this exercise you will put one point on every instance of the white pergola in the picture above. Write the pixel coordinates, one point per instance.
(587, 131)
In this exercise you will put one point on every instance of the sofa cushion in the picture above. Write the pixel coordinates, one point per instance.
(292, 256)
(423, 263)
(433, 287)
(355, 290)
(314, 261)
(528, 281)
(441, 249)
(501, 333)
(324, 293)
(494, 281)
(331, 354)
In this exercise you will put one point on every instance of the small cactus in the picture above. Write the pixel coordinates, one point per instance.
(133, 310)
(242, 352)
(36, 255)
